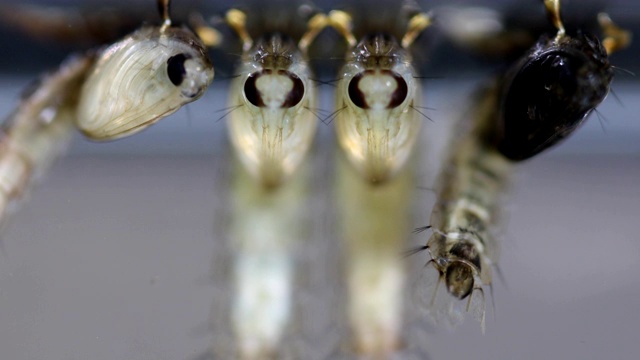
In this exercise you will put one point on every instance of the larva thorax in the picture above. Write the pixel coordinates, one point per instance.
(376, 125)
(273, 127)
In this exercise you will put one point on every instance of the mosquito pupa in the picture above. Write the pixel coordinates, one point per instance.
(376, 124)
(555, 86)
(272, 124)
(143, 78)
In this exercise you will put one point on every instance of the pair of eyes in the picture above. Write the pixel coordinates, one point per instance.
(296, 93)
(293, 98)
(358, 97)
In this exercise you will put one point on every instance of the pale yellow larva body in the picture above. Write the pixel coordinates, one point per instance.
(266, 230)
(373, 219)
(40, 129)
(141, 79)
(272, 125)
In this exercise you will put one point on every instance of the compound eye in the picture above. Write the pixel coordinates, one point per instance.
(251, 91)
(400, 93)
(297, 91)
(386, 89)
(264, 88)
(175, 68)
(355, 94)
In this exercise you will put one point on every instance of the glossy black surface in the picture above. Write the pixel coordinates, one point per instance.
(550, 93)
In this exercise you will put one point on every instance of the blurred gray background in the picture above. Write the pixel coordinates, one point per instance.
(121, 251)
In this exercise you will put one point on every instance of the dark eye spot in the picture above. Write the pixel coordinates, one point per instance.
(400, 93)
(397, 97)
(251, 91)
(175, 68)
(296, 93)
(355, 94)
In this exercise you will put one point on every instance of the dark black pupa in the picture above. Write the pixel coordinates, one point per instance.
(550, 92)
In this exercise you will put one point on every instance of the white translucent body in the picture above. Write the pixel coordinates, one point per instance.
(271, 141)
(129, 88)
(378, 140)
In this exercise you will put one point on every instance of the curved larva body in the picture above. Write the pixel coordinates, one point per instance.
(463, 248)
(139, 80)
(39, 130)
(375, 124)
(271, 124)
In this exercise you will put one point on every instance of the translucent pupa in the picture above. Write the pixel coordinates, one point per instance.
(272, 122)
(143, 78)
(376, 96)
(105, 94)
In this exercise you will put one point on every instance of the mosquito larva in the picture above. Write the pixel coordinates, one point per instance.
(375, 122)
(377, 129)
(272, 125)
(462, 248)
(552, 89)
(542, 100)
(143, 78)
(39, 129)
